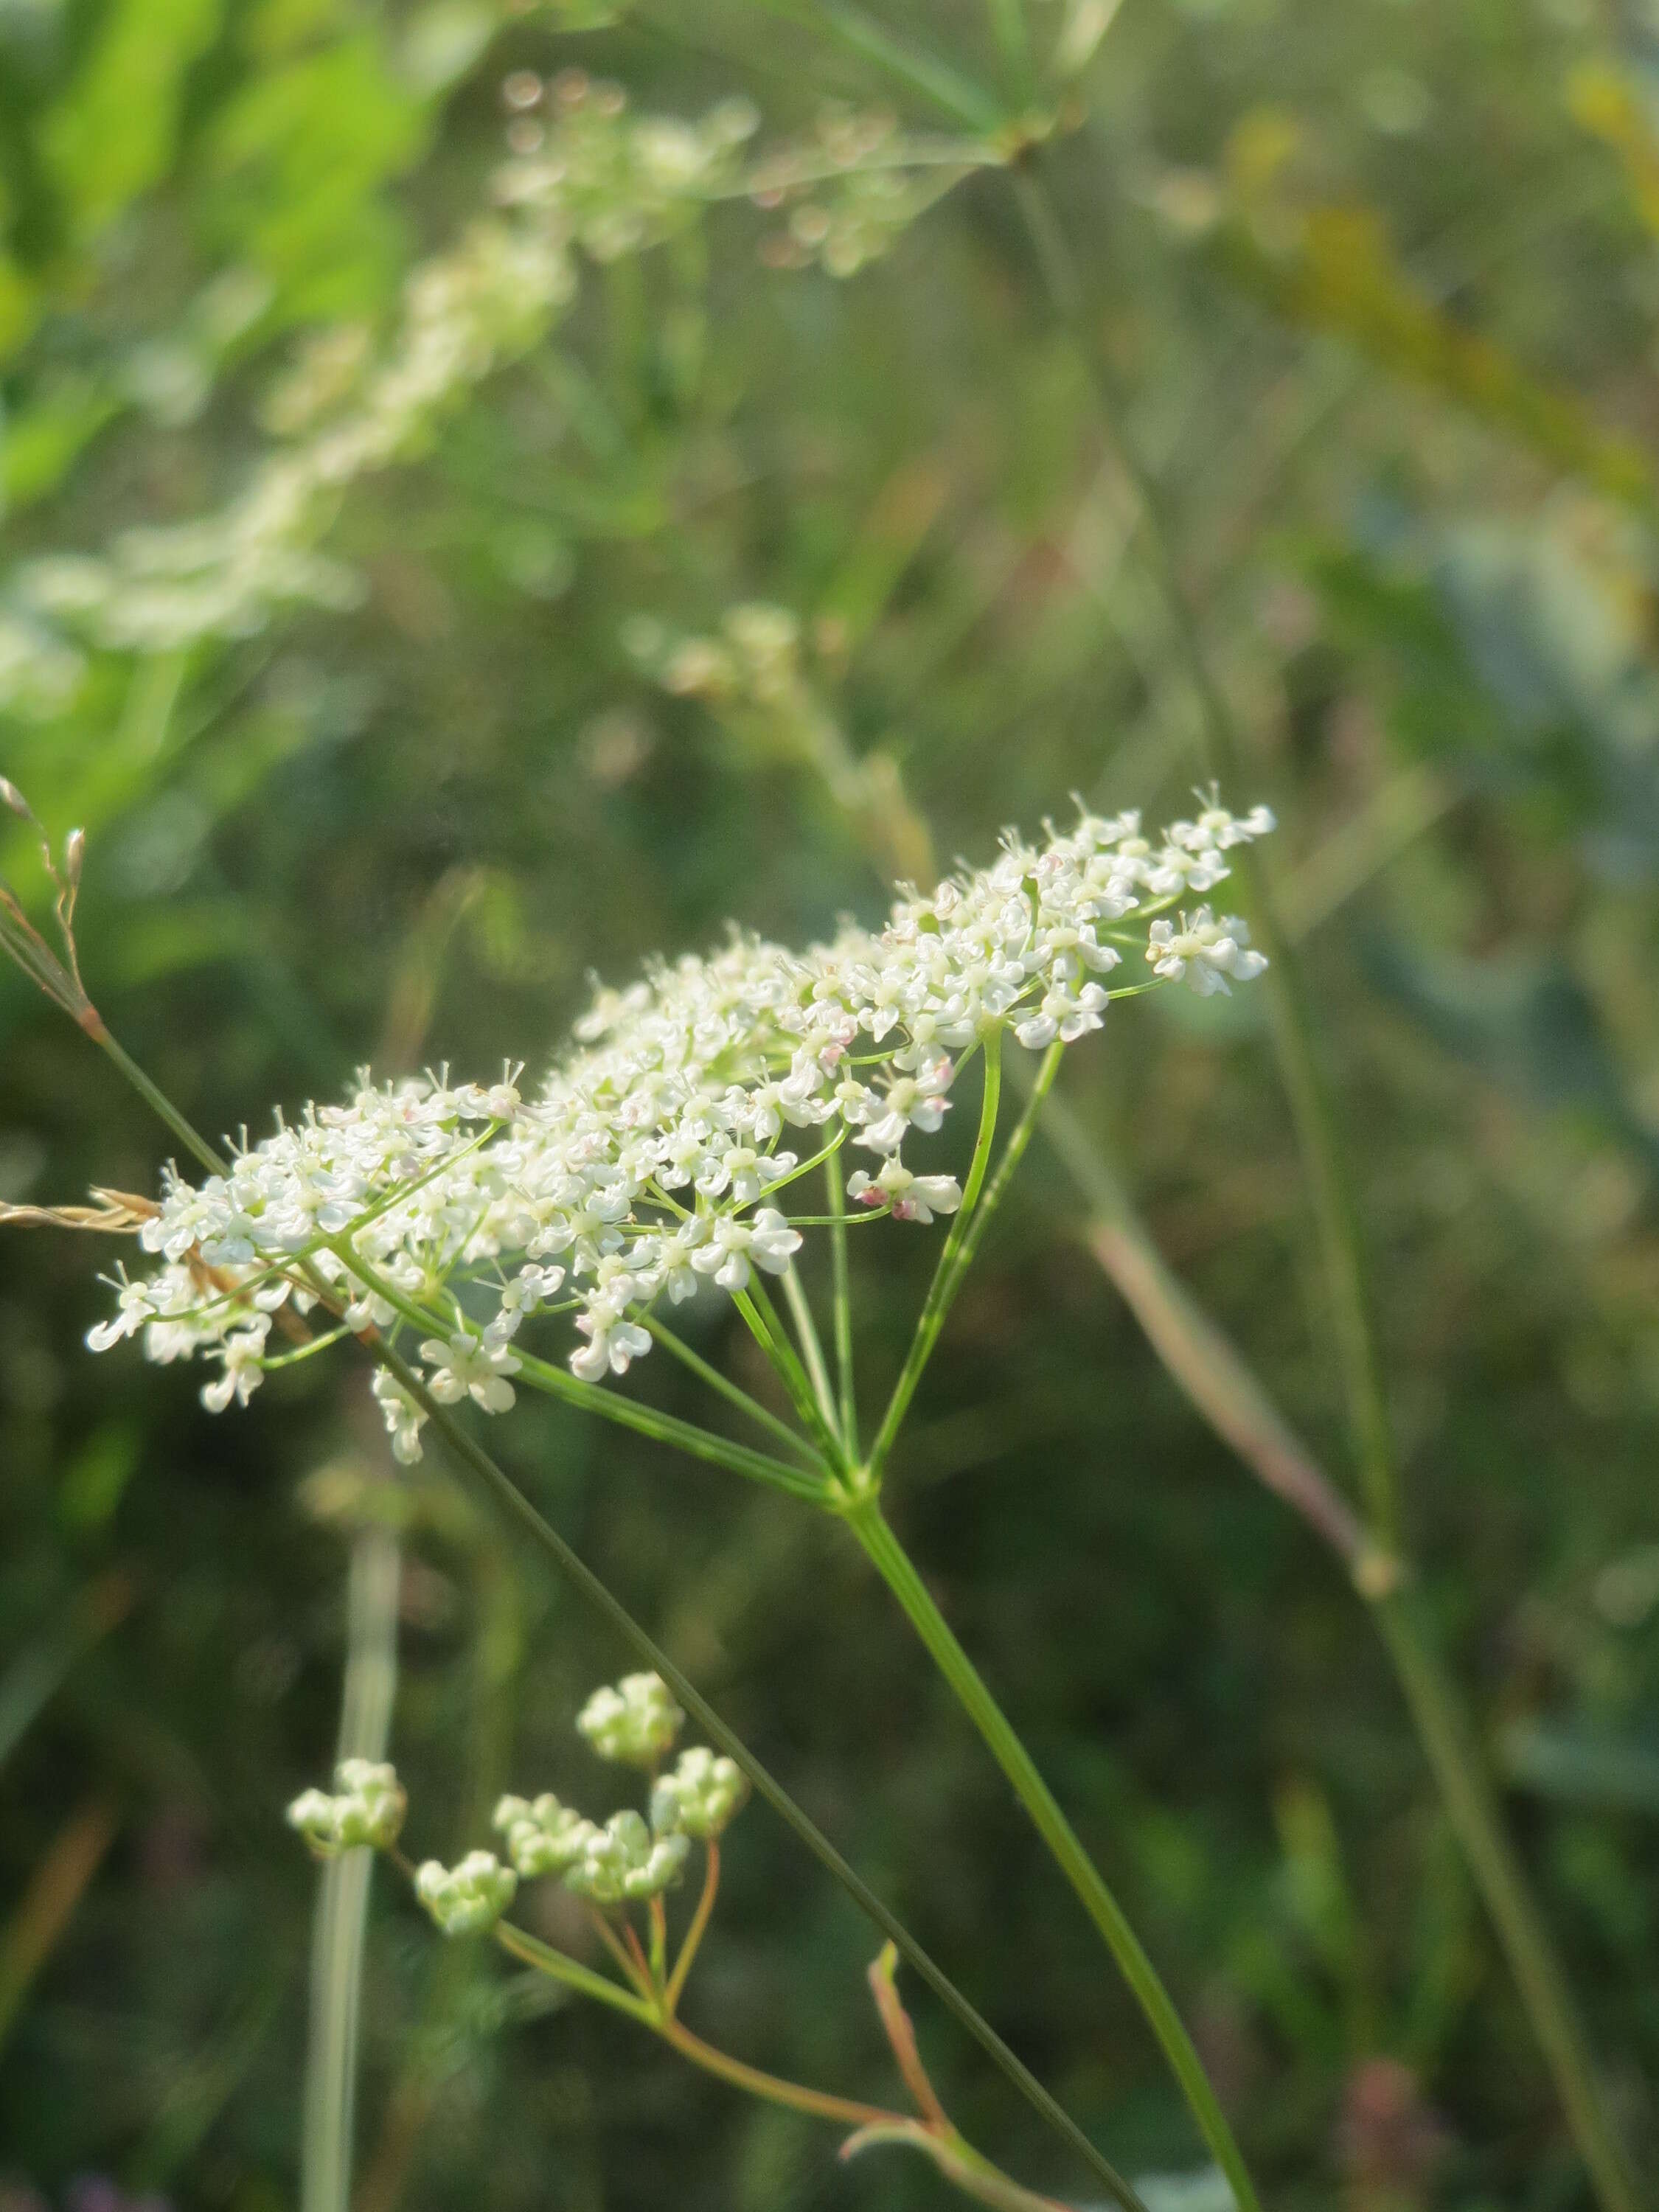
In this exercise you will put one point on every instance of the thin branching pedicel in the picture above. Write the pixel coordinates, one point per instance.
(623, 1869)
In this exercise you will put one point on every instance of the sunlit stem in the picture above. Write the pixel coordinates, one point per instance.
(604, 1928)
(699, 1928)
(561, 1968)
(980, 1202)
(893, 1563)
(642, 1972)
(769, 1332)
(155, 1098)
(626, 1413)
(659, 1917)
(840, 1293)
(812, 1351)
(723, 1384)
(941, 1292)
(820, 2103)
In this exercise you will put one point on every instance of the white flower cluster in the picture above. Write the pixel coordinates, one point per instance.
(700, 1798)
(469, 1898)
(622, 1862)
(367, 1808)
(663, 1148)
(635, 1724)
(598, 179)
(854, 187)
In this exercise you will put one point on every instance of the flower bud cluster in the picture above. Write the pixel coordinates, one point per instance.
(662, 1149)
(623, 1863)
(700, 1798)
(543, 1836)
(635, 1724)
(368, 1807)
(469, 1898)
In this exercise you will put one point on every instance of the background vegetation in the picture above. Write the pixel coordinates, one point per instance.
(1382, 283)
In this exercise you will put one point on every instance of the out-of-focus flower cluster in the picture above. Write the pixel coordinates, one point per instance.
(595, 176)
(583, 173)
(849, 190)
(663, 1149)
(367, 1807)
(627, 1860)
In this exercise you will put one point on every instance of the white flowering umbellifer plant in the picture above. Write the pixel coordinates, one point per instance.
(671, 1145)
(623, 1871)
(453, 1227)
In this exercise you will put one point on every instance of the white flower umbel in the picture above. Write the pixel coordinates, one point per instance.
(635, 1724)
(623, 1862)
(654, 1159)
(700, 1798)
(467, 1898)
(367, 1809)
(543, 1836)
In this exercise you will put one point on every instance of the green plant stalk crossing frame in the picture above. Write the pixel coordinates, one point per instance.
(1446, 1742)
(893, 1563)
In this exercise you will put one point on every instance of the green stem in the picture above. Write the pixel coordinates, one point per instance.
(947, 1275)
(332, 2038)
(840, 1293)
(770, 1334)
(812, 1351)
(922, 71)
(728, 1389)
(156, 1099)
(1008, 23)
(1450, 1750)
(559, 1967)
(695, 1932)
(893, 1563)
(1450, 1744)
(819, 2103)
(967, 2169)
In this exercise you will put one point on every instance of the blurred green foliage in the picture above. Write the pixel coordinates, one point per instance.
(1384, 281)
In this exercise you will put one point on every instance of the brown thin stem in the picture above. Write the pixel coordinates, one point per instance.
(695, 1932)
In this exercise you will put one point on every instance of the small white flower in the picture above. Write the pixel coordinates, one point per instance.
(701, 1798)
(244, 1369)
(404, 1418)
(466, 1367)
(135, 1305)
(612, 1346)
(467, 1898)
(909, 1197)
(1205, 952)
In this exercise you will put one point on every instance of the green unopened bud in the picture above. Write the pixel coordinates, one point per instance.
(701, 1798)
(622, 1861)
(543, 1837)
(368, 1809)
(467, 1898)
(635, 1724)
